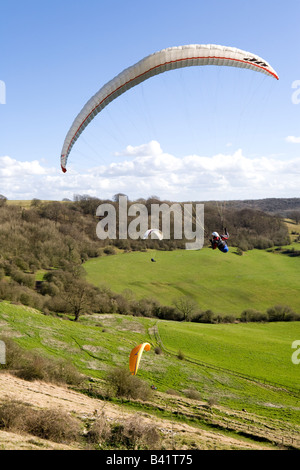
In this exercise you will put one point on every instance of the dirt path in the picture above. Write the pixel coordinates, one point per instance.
(44, 395)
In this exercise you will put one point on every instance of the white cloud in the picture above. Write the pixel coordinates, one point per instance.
(10, 167)
(152, 148)
(292, 139)
(148, 170)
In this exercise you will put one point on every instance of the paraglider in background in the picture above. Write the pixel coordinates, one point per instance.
(153, 231)
(135, 357)
(157, 234)
(154, 64)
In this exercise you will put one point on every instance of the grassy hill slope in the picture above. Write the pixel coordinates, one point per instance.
(231, 365)
(224, 283)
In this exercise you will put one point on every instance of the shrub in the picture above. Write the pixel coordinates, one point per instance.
(22, 278)
(252, 315)
(109, 250)
(12, 414)
(229, 319)
(53, 425)
(32, 370)
(30, 366)
(173, 392)
(203, 317)
(212, 402)
(100, 431)
(193, 394)
(180, 355)
(281, 313)
(135, 435)
(243, 245)
(166, 312)
(125, 385)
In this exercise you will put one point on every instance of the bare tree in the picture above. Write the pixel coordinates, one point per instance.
(80, 297)
(186, 305)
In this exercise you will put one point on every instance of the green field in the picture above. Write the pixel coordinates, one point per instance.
(224, 283)
(261, 351)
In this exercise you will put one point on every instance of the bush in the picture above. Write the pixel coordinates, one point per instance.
(243, 245)
(53, 425)
(251, 315)
(193, 394)
(212, 402)
(29, 366)
(203, 317)
(12, 413)
(125, 385)
(109, 250)
(23, 279)
(229, 319)
(180, 355)
(281, 313)
(173, 392)
(100, 431)
(134, 434)
(166, 312)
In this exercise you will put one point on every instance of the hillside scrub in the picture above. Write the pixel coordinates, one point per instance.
(31, 366)
(46, 234)
(59, 426)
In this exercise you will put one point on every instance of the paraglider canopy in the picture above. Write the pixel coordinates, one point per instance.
(153, 233)
(160, 62)
(135, 357)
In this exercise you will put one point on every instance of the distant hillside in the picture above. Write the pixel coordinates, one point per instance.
(279, 206)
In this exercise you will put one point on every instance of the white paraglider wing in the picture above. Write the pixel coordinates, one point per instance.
(153, 231)
(159, 62)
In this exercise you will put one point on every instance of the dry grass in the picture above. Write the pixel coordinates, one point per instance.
(52, 425)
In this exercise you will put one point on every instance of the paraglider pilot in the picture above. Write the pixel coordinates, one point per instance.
(219, 241)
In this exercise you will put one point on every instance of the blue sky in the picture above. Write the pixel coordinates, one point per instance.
(198, 133)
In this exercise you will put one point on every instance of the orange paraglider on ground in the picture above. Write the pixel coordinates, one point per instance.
(135, 357)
